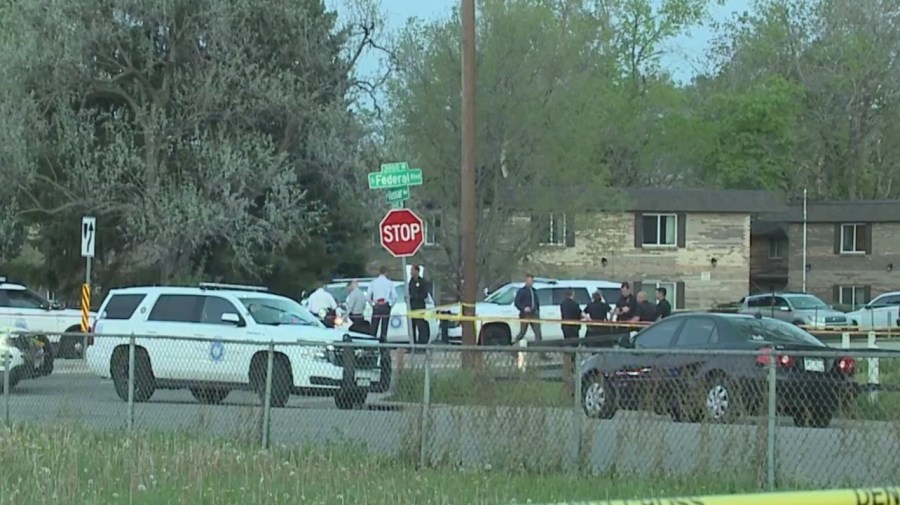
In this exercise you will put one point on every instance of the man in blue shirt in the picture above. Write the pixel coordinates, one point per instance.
(529, 308)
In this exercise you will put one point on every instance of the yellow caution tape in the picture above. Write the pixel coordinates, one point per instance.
(862, 496)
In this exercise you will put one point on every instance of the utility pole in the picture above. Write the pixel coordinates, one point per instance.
(468, 205)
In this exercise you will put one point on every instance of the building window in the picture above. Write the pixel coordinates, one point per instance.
(660, 229)
(432, 230)
(854, 296)
(853, 238)
(777, 248)
(552, 229)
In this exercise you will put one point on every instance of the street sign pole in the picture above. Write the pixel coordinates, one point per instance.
(88, 243)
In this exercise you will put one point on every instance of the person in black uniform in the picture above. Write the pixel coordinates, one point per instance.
(598, 311)
(663, 307)
(419, 291)
(626, 305)
(569, 310)
(645, 311)
(529, 308)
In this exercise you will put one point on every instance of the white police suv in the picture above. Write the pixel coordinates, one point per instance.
(197, 355)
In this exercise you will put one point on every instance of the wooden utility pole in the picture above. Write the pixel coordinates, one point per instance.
(468, 204)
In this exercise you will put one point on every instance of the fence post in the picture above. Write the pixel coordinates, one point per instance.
(7, 361)
(267, 399)
(771, 422)
(579, 416)
(845, 340)
(131, 377)
(874, 375)
(426, 408)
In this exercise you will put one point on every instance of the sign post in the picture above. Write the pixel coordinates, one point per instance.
(88, 243)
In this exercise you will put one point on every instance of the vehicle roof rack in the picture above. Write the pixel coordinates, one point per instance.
(231, 287)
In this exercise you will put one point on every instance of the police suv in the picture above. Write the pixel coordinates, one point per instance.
(197, 355)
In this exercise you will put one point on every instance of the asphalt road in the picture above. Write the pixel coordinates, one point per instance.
(859, 452)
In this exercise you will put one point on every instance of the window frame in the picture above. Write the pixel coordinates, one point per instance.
(198, 306)
(432, 225)
(859, 232)
(658, 216)
(776, 248)
(43, 304)
(548, 227)
(127, 297)
(854, 291)
(234, 310)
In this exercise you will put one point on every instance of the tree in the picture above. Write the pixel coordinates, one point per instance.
(208, 138)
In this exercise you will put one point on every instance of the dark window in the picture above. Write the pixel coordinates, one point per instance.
(657, 336)
(23, 299)
(697, 332)
(177, 309)
(213, 308)
(545, 297)
(772, 331)
(660, 229)
(777, 248)
(853, 238)
(759, 302)
(581, 295)
(122, 307)
(611, 295)
(779, 302)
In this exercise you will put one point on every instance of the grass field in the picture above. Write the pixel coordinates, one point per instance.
(63, 466)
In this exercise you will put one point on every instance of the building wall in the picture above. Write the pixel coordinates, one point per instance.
(828, 269)
(725, 237)
(767, 274)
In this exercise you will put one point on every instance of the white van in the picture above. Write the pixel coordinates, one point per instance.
(202, 361)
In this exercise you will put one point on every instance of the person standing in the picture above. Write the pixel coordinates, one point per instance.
(569, 310)
(646, 311)
(529, 308)
(356, 307)
(597, 311)
(382, 296)
(663, 307)
(419, 292)
(626, 305)
(321, 301)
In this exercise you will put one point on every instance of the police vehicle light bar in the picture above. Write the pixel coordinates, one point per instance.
(235, 287)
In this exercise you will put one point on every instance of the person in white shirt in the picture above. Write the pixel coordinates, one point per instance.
(320, 300)
(382, 296)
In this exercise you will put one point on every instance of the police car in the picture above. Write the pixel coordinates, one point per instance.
(200, 321)
(25, 310)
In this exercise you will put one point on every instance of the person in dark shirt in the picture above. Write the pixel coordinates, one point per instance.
(645, 311)
(529, 308)
(419, 291)
(663, 307)
(626, 305)
(569, 310)
(598, 311)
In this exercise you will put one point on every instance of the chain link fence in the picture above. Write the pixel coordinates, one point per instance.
(813, 417)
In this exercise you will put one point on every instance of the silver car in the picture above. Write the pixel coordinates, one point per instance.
(802, 309)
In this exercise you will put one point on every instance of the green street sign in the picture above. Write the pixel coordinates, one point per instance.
(398, 179)
(397, 205)
(395, 167)
(397, 195)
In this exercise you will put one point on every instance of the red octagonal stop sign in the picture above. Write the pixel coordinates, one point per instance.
(402, 233)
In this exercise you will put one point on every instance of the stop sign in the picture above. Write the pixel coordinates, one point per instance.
(402, 233)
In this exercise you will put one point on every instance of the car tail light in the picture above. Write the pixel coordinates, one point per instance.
(846, 365)
(765, 354)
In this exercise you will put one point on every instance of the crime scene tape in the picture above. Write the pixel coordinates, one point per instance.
(863, 496)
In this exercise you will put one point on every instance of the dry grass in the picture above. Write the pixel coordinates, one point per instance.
(62, 466)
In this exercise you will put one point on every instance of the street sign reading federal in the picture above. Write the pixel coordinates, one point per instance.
(88, 236)
(402, 232)
(398, 179)
(397, 195)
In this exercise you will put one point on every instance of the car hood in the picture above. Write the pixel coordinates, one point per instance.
(820, 315)
(489, 309)
(299, 333)
(71, 313)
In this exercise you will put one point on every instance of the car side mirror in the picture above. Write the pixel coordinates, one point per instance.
(486, 291)
(232, 318)
(303, 294)
(868, 307)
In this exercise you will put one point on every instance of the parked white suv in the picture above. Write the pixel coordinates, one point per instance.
(397, 330)
(551, 292)
(208, 365)
(25, 310)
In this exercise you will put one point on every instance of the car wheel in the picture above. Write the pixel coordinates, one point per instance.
(282, 380)
(47, 366)
(598, 397)
(496, 335)
(723, 400)
(348, 399)
(210, 396)
(14, 377)
(812, 418)
(70, 346)
(144, 382)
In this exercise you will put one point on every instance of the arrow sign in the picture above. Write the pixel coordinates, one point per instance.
(88, 236)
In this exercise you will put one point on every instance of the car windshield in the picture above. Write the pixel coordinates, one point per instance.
(278, 311)
(503, 296)
(773, 331)
(807, 302)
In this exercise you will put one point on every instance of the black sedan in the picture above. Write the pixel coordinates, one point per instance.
(717, 387)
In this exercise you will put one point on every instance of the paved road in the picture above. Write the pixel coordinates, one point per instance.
(861, 453)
